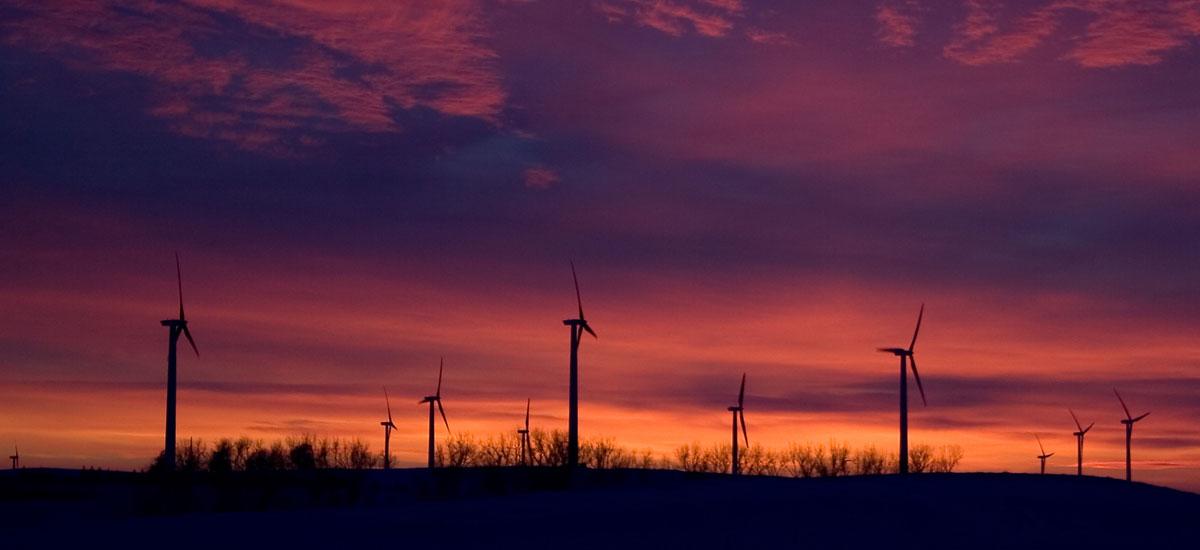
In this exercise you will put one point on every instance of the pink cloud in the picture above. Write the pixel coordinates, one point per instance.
(897, 23)
(350, 64)
(710, 18)
(763, 36)
(539, 177)
(1118, 33)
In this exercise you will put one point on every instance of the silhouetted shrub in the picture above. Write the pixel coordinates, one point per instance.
(757, 460)
(946, 459)
(220, 461)
(190, 455)
(870, 461)
(803, 460)
(920, 457)
(301, 457)
(359, 455)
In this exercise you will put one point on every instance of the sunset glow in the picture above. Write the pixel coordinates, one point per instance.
(359, 188)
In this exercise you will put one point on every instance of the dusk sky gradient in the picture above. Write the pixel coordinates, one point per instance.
(358, 188)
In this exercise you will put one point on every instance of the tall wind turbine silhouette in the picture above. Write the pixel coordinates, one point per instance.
(431, 399)
(388, 426)
(578, 326)
(524, 435)
(906, 355)
(1042, 457)
(1079, 441)
(175, 327)
(739, 413)
(16, 457)
(1128, 422)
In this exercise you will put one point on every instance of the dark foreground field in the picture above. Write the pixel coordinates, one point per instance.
(593, 509)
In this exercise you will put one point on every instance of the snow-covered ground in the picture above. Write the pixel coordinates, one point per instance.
(641, 509)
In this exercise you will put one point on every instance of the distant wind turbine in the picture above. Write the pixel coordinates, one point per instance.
(431, 399)
(16, 457)
(907, 355)
(578, 326)
(524, 435)
(1128, 422)
(176, 327)
(388, 426)
(1042, 457)
(739, 413)
(1079, 441)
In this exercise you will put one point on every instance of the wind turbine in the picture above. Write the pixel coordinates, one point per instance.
(1042, 457)
(578, 326)
(524, 435)
(1079, 440)
(16, 457)
(431, 399)
(1128, 422)
(906, 355)
(175, 327)
(388, 426)
(739, 413)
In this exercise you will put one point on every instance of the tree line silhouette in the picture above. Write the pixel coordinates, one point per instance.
(548, 448)
(306, 452)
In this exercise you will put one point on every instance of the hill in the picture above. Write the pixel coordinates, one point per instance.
(511, 508)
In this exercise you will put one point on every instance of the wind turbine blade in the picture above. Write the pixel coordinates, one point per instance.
(742, 392)
(918, 329)
(1076, 419)
(913, 359)
(578, 299)
(742, 417)
(179, 282)
(1040, 447)
(1093, 424)
(389, 404)
(589, 330)
(1141, 417)
(1127, 415)
(1049, 455)
(527, 414)
(443, 411)
(188, 334)
(441, 365)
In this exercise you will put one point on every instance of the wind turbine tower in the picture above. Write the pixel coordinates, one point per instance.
(1128, 422)
(739, 413)
(1079, 441)
(432, 399)
(175, 327)
(388, 426)
(578, 327)
(907, 356)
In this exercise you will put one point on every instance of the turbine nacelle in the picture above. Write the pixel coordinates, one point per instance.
(1132, 420)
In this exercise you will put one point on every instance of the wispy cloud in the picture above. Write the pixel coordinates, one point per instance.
(710, 18)
(1117, 33)
(897, 23)
(281, 74)
(539, 177)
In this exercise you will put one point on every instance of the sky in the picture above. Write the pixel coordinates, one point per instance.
(357, 189)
